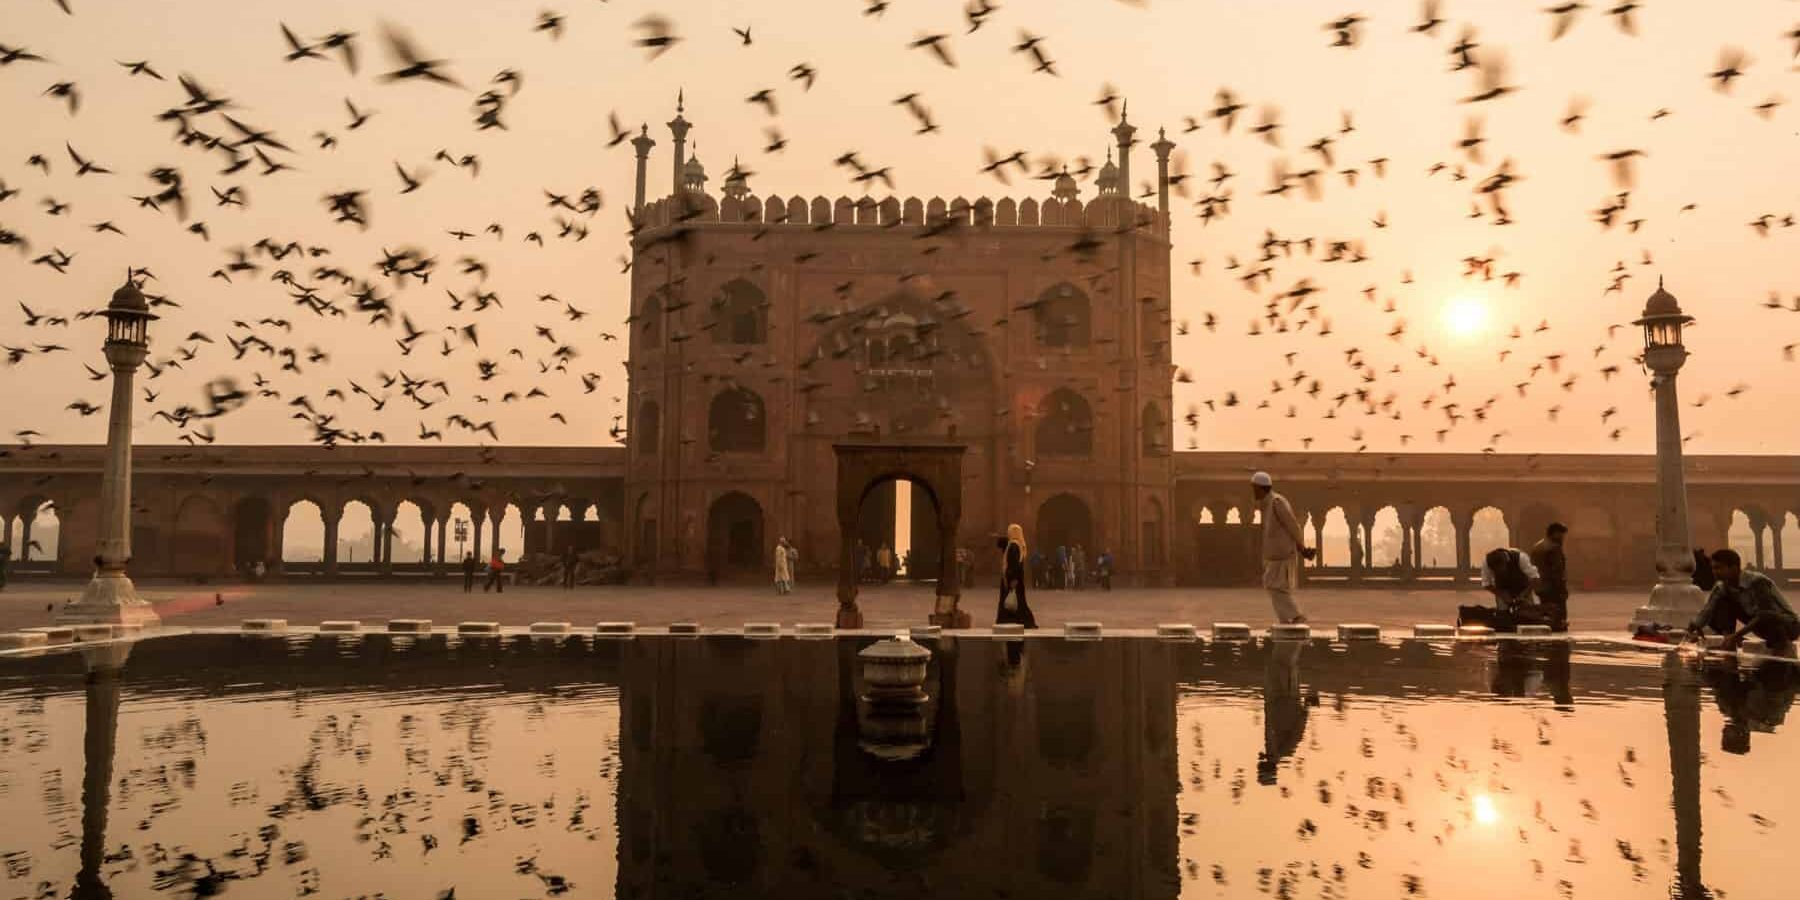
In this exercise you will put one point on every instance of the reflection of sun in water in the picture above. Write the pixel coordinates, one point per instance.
(1485, 812)
(1465, 316)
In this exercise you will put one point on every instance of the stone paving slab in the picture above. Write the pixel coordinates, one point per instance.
(895, 606)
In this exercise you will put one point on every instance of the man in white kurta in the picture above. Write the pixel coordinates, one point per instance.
(1282, 548)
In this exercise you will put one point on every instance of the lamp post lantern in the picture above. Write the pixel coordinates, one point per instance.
(1675, 600)
(110, 597)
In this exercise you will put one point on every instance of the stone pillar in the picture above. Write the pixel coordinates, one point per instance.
(277, 538)
(1162, 147)
(949, 584)
(110, 596)
(384, 539)
(25, 535)
(1775, 541)
(496, 516)
(6, 535)
(1674, 600)
(1462, 523)
(437, 562)
(331, 540)
(477, 520)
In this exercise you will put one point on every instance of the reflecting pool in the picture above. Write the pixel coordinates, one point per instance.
(386, 765)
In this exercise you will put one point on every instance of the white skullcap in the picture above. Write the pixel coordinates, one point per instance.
(1262, 479)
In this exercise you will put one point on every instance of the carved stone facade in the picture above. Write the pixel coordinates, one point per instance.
(1033, 334)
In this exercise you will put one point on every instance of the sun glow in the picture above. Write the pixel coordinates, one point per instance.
(1465, 316)
(1485, 811)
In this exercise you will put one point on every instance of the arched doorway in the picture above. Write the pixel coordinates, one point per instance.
(1064, 521)
(734, 535)
(935, 470)
(200, 536)
(902, 515)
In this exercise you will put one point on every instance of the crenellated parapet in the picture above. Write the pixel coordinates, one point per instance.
(1102, 213)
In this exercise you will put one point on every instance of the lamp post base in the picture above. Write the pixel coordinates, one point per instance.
(1673, 604)
(111, 599)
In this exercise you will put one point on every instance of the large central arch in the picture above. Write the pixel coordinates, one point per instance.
(935, 467)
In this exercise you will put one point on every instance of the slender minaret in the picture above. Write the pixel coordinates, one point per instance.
(678, 127)
(1124, 132)
(642, 143)
(1162, 147)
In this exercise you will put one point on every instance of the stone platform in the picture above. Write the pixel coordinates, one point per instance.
(896, 606)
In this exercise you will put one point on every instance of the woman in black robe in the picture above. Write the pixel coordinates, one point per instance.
(1012, 579)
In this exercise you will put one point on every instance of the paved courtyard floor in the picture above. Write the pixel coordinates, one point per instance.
(28, 603)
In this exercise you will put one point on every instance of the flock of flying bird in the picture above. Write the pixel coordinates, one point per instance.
(261, 363)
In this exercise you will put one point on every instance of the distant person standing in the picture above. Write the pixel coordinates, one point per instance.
(1103, 569)
(496, 566)
(1078, 567)
(1013, 608)
(1553, 575)
(569, 560)
(469, 565)
(1062, 566)
(784, 566)
(1282, 549)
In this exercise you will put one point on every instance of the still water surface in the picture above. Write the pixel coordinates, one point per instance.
(393, 766)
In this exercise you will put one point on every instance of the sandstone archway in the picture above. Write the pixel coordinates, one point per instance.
(935, 468)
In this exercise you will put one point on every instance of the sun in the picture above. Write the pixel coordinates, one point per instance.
(1465, 316)
(1485, 811)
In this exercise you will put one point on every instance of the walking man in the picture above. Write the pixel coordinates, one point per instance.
(1282, 549)
(1750, 598)
(1553, 575)
(469, 566)
(496, 566)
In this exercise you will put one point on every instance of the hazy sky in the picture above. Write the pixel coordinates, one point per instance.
(1712, 150)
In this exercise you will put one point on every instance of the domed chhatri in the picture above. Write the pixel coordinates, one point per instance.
(1108, 179)
(693, 174)
(1661, 303)
(1065, 188)
(128, 297)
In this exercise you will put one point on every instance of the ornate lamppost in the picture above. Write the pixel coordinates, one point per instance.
(1675, 600)
(110, 597)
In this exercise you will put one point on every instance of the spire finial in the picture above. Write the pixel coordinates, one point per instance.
(680, 99)
(1125, 110)
(1659, 282)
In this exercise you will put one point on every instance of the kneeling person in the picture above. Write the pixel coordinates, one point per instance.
(1750, 598)
(1509, 575)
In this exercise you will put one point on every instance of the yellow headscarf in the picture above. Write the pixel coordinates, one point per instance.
(1016, 535)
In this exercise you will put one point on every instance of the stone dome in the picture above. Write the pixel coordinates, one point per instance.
(129, 297)
(1065, 186)
(692, 170)
(1108, 179)
(1661, 303)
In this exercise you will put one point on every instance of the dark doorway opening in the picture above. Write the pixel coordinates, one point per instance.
(1064, 521)
(252, 525)
(734, 535)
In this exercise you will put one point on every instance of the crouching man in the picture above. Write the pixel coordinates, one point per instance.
(1744, 603)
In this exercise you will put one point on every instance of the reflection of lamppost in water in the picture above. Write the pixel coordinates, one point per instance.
(110, 596)
(1674, 600)
(1681, 712)
(105, 665)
